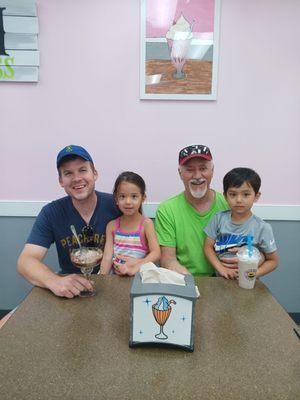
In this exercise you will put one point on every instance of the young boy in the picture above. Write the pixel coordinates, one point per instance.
(229, 229)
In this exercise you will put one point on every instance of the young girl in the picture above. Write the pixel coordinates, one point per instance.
(130, 239)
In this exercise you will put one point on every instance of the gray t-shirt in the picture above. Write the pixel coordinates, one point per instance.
(228, 234)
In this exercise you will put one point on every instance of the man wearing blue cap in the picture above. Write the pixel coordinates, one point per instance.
(88, 210)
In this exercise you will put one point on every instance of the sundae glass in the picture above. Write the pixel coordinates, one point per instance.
(179, 38)
(86, 258)
(161, 311)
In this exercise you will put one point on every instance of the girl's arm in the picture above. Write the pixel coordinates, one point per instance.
(133, 265)
(154, 247)
(106, 263)
(210, 254)
(270, 263)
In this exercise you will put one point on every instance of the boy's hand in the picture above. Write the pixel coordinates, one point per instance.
(228, 273)
(230, 262)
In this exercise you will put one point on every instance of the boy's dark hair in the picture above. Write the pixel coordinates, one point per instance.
(237, 176)
(130, 177)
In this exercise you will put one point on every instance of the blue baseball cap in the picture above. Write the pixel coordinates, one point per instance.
(73, 150)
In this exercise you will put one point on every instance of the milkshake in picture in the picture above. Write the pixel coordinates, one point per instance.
(179, 38)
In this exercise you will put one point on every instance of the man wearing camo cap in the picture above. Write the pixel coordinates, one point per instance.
(180, 220)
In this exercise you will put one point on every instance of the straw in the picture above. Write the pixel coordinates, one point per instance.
(192, 25)
(249, 245)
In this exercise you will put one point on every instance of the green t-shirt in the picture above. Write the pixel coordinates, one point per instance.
(178, 224)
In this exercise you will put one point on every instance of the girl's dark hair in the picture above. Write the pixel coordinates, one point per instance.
(130, 177)
(237, 176)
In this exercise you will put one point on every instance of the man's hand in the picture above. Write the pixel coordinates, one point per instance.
(169, 260)
(69, 286)
(30, 265)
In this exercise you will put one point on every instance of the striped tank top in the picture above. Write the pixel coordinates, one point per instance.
(130, 243)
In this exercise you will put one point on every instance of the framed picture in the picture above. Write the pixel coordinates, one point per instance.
(179, 49)
(19, 28)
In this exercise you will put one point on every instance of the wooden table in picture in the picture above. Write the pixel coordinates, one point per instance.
(198, 77)
(75, 349)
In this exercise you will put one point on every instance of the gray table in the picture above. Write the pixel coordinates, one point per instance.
(245, 348)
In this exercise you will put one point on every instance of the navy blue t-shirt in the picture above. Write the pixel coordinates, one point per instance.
(53, 225)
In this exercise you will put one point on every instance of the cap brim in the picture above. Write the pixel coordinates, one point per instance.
(58, 163)
(203, 156)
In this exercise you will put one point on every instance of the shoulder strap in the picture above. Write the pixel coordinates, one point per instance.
(116, 227)
(141, 224)
(118, 223)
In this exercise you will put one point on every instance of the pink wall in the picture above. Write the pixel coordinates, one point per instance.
(88, 94)
(162, 14)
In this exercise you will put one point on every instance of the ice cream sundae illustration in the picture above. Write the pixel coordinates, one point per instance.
(179, 38)
(161, 311)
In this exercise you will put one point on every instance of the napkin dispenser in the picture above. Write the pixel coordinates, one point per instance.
(162, 314)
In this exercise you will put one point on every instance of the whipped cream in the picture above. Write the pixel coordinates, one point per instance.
(180, 31)
(86, 256)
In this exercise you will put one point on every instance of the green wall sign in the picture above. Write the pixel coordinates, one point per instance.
(19, 55)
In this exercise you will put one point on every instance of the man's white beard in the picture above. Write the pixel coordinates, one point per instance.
(197, 194)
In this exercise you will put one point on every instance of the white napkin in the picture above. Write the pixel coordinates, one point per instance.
(150, 273)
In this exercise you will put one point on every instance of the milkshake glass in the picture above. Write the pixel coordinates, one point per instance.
(247, 266)
(161, 311)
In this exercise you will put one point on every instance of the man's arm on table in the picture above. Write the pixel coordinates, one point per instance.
(168, 260)
(31, 267)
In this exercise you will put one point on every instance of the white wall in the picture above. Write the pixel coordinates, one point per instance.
(88, 94)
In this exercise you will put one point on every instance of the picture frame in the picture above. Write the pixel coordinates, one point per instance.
(19, 29)
(179, 49)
